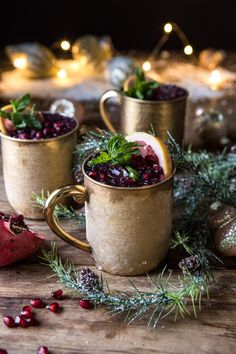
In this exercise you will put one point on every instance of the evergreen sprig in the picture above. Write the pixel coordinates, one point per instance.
(164, 298)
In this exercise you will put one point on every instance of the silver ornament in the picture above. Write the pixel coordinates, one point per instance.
(211, 127)
(39, 61)
(118, 70)
(63, 107)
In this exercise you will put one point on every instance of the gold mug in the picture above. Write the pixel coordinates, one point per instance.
(128, 229)
(141, 115)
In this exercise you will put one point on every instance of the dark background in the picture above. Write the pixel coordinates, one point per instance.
(131, 24)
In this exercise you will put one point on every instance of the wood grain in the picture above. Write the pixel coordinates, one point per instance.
(76, 330)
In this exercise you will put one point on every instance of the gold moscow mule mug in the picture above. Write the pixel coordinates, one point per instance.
(140, 115)
(128, 229)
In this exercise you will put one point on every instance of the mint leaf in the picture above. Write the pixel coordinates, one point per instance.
(120, 150)
(5, 114)
(142, 88)
(133, 173)
(102, 158)
(21, 103)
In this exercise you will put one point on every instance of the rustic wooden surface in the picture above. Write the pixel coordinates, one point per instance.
(76, 330)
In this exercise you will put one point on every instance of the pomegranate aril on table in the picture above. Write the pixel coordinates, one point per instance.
(20, 321)
(42, 350)
(9, 321)
(57, 294)
(86, 304)
(37, 303)
(3, 351)
(54, 307)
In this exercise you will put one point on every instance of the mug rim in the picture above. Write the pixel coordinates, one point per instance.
(42, 141)
(126, 188)
(138, 100)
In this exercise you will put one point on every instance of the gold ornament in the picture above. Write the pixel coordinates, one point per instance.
(35, 60)
(211, 58)
(222, 223)
(92, 50)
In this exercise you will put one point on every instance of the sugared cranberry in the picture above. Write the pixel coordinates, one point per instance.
(86, 304)
(3, 351)
(37, 303)
(147, 176)
(57, 294)
(20, 321)
(42, 350)
(9, 321)
(53, 307)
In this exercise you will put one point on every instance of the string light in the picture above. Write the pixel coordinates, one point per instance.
(20, 62)
(62, 74)
(168, 27)
(188, 49)
(147, 66)
(215, 79)
(65, 45)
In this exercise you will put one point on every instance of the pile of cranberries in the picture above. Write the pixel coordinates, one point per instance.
(53, 125)
(17, 223)
(116, 175)
(166, 92)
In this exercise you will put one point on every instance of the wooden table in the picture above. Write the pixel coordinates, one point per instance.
(76, 330)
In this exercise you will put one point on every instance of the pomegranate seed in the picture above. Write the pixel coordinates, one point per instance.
(42, 350)
(54, 307)
(26, 312)
(37, 303)
(57, 294)
(146, 176)
(3, 351)
(9, 321)
(21, 321)
(31, 321)
(86, 304)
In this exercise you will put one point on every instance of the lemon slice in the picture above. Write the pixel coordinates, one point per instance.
(153, 145)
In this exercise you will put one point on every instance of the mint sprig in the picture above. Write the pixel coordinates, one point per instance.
(119, 152)
(19, 117)
(141, 88)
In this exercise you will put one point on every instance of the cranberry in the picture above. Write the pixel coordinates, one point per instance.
(42, 350)
(37, 303)
(9, 321)
(54, 307)
(86, 304)
(3, 351)
(21, 321)
(57, 294)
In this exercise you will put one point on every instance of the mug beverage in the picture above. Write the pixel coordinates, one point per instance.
(128, 229)
(141, 115)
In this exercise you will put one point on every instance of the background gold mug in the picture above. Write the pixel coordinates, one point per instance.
(128, 229)
(140, 115)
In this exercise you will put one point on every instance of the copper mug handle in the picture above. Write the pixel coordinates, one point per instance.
(79, 193)
(103, 109)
